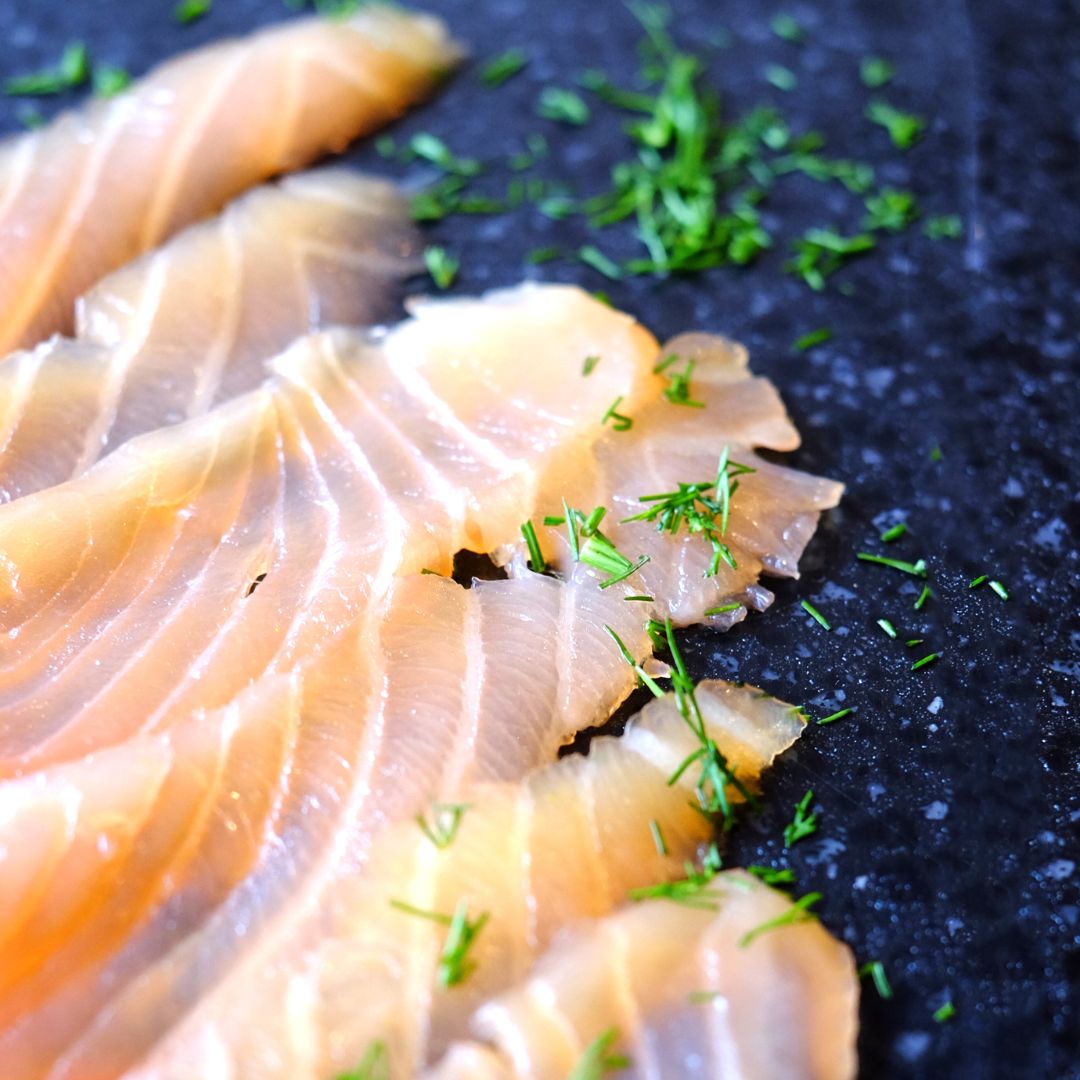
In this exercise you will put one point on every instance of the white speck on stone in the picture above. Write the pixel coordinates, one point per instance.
(861, 882)
(874, 790)
(1051, 534)
(1059, 869)
(954, 926)
(912, 1045)
(1013, 489)
(935, 706)
(936, 810)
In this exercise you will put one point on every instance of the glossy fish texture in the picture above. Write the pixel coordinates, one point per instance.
(198, 558)
(106, 183)
(194, 323)
(566, 844)
(774, 509)
(693, 992)
(128, 872)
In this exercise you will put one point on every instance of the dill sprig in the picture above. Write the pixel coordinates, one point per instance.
(454, 965)
(698, 506)
(444, 823)
(374, 1065)
(678, 389)
(590, 546)
(798, 913)
(597, 1060)
(803, 824)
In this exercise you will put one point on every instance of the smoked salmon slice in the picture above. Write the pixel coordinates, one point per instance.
(772, 510)
(350, 967)
(197, 558)
(694, 992)
(104, 184)
(194, 323)
(147, 855)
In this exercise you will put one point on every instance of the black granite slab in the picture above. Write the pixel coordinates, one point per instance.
(950, 808)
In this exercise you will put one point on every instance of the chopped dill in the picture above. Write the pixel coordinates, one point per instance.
(442, 267)
(815, 337)
(658, 838)
(815, 614)
(563, 106)
(917, 568)
(803, 824)
(723, 609)
(187, 11)
(876, 970)
(889, 535)
(597, 1059)
(503, 67)
(589, 365)
(887, 627)
(944, 1012)
(374, 1065)
(798, 913)
(833, 717)
(876, 72)
(772, 876)
(619, 421)
(925, 595)
(905, 129)
(925, 661)
(70, 72)
(454, 965)
(536, 556)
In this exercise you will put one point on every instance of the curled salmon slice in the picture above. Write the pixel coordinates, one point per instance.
(689, 991)
(566, 843)
(104, 184)
(773, 510)
(197, 558)
(178, 331)
(147, 856)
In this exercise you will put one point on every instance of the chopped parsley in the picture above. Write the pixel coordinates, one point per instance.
(72, 70)
(876, 970)
(798, 913)
(454, 965)
(503, 67)
(187, 11)
(597, 1060)
(815, 337)
(815, 614)
(444, 824)
(803, 824)
(563, 106)
(905, 129)
(442, 267)
(876, 72)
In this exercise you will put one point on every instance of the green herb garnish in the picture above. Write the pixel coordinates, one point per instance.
(784, 26)
(889, 535)
(187, 11)
(771, 876)
(821, 252)
(658, 838)
(781, 77)
(503, 67)
(73, 70)
(597, 1060)
(876, 72)
(803, 824)
(563, 106)
(832, 718)
(678, 389)
(798, 913)
(723, 609)
(536, 556)
(443, 268)
(999, 589)
(944, 1012)
(110, 80)
(589, 365)
(454, 965)
(876, 970)
(592, 256)
(815, 337)
(917, 568)
(947, 227)
(374, 1065)
(431, 148)
(890, 209)
(923, 597)
(445, 820)
(905, 129)
(887, 627)
(815, 614)
(619, 421)
(925, 660)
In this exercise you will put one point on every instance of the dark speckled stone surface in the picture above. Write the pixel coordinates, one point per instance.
(949, 802)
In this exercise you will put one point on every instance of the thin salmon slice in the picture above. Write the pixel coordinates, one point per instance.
(146, 856)
(197, 558)
(102, 185)
(178, 331)
(566, 844)
(774, 510)
(693, 992)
